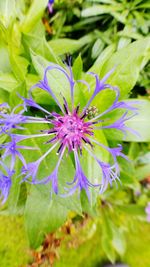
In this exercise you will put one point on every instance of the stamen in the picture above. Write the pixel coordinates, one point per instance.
(83, 116)
(80, 150)
(87, 142)
(84, 139)
(51, 140)
(60, 120)
(52, 131)
(56, 115)
(48, 116)
(96, 122)
(66, 110)
(65, 105)
(77, 109)
(59, 149)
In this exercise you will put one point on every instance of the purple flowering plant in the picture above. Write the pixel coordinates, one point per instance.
(70, 133)
(68, 138)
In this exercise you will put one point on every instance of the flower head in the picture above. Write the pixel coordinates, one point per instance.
(71, 130)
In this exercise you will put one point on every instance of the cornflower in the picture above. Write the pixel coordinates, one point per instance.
(71, 131)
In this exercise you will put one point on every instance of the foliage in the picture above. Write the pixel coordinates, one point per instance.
(107, 34)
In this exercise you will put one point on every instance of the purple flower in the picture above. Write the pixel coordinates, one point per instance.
(120, 124)
(100, 86)
(11, 120)
(109, 172)
(12, 149)
(50, 6)
(31, 169)
(70, 132)
(5, 182)
(80, 180)
(147, 210)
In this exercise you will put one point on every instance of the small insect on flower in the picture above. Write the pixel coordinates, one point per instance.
(72, 130)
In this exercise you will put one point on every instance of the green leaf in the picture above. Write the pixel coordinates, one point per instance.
(77, 68)
(33, 17)
(118, 240)
(19, 66)
(128, 174)
(14, 98)
(31, 79)
(40, 46)
(4, 95)
(129, 180)
(3, 138)
(123, 42)
(97, 48)
(64, 45)
(134, 150)
(145, 5)
(7, 12)
(132, 210)
(102, 59)
(99, 9)
(142, 172)
(91, 210)
(103, 1)
(4, 56)
(42, 215)
(8, 81)
(140, 123)
(120, 16)
(127, 67)
(107, 247)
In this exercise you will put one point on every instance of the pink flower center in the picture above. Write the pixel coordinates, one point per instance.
(72, 130)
